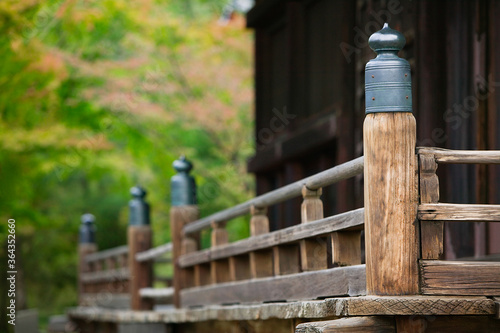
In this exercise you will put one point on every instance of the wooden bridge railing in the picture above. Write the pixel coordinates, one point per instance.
(321, 257)
(122, 277)
(261, 267)
(452, 277)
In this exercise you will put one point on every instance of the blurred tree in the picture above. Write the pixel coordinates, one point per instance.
(97, 96)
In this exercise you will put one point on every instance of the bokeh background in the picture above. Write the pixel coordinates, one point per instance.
(97, 96)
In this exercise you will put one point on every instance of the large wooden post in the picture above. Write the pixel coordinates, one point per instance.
(390, 172)
(86, 246)
(139, 240)
(183, 211)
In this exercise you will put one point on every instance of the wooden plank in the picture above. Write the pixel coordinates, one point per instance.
(219, 271)
(157, 293)
(239, 268)
(309, 285)
(325, 178)
(348, 325)
(459, 212)
(202, 275)
(261, 263)
(346, 248)
(391, 199)
(286, 259)
(462, 156)
(460, 278)
(431, 234)
(154, 252)
(346, 221)
(117, 274)
(101, 255)
(497, 307)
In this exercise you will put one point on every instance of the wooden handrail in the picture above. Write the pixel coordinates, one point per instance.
(101, 255)
(325, 178)
(462, 156)
(153, 253)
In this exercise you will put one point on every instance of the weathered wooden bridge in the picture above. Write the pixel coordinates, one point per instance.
(317, 276)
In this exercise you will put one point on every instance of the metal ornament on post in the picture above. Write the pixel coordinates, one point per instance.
(387, 77)
(139, 209)
(87, 229)
(183, 186)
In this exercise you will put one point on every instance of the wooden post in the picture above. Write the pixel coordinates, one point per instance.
(261, 262)
(86, 246)
(183, 211)
(390, 171)
(219, 269)
(139, 240)
(313, 252)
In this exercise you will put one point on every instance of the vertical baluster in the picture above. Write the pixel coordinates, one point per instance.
(313, 252)
(431, 232)
(219, 269)
(183, 211)
(139, 240)
(86, 246)
(261, 262)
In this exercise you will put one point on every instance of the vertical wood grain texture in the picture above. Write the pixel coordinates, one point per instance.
(179, 217)
(141, 275)
(219, 269)
(390, 204)
(286, 259)
(313, 252)
(431, 233)
(346, 248)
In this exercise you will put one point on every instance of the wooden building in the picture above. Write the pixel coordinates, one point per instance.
(309, 106)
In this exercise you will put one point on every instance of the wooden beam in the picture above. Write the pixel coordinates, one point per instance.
(391, 199)
(352, 220)
(101, 255)
(117, 274)
(459, 212)
(460, 278)
(348, 325)
(462, 156)
(309, 285)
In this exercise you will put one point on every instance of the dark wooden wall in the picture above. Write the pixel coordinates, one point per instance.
(309, 76)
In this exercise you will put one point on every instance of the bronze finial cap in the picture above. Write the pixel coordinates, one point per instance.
(387, 39)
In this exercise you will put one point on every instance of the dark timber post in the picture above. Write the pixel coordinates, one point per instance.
(390, 172)
(86, 245)
(183, 211)
(139, 240)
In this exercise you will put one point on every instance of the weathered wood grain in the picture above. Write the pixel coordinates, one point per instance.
(431, 306)
(261, 263)
(309, 285)
(348, 325)
(431, 233)
(239, 268)
(459, 212)
(346, 248)
(345, 221)
(419, 305)
(84, 250)
(325, 178)
(286, 259)
(460, 278)
(154, 252)
(391, 200)
(462, 156)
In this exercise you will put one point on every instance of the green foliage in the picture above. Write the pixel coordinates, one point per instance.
(97, 96)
